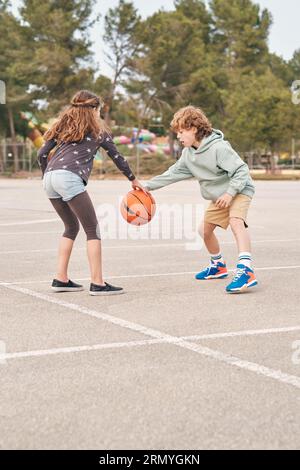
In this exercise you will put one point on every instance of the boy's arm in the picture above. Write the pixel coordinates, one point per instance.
(237, 169)
(43, 153)
(176, 172)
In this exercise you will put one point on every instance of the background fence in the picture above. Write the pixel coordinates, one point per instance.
(26, 161)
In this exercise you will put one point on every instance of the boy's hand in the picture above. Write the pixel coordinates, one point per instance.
(137, 185)
(224, 201)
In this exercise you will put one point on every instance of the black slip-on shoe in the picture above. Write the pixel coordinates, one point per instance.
(69, 286)
(108, 289)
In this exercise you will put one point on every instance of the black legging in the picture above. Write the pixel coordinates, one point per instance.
(80, 208)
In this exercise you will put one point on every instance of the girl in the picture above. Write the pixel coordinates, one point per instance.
(77, 135)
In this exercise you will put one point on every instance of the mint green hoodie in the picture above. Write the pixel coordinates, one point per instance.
(216, 166)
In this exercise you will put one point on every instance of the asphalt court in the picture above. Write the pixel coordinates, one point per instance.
(172, 363)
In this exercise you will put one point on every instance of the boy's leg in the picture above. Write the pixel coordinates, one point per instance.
(237, 221)
(217, 268)
(244, 276)
(206, 231)
(241, 234)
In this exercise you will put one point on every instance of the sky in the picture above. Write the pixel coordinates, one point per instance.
(284, 35)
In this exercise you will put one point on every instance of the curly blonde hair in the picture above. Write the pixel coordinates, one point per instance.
(78, 119)
(190, 116)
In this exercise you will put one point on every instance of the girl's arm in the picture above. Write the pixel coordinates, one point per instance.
(118, 159)
(43, 153)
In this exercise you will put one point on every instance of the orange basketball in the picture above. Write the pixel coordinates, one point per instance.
(137, 208)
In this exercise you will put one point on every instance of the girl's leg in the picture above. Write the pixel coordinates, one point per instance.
(94, 252)
(83, 207)
(66, 243)
(64, 253)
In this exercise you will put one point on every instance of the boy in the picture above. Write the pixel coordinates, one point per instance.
(225, 180)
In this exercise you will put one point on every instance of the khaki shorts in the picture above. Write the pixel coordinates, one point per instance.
(238, 208)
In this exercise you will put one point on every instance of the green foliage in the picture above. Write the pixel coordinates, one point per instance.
(295, 65)
(214, 55)
(121, 26)
(57, 36)
(240, 32)
(259, 112)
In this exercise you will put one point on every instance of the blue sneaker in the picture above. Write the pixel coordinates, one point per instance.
(213, 271)
(243, 279)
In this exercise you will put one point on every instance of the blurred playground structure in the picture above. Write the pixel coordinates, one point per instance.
(139, 146)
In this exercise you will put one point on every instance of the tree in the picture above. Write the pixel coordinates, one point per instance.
(259, 113)
(121, 25)
(281, 69)
(15, 72)
(240, 33)
(295, 65)
(175, 45)
(57, 34)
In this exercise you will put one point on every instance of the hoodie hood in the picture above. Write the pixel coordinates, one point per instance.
(212, 139)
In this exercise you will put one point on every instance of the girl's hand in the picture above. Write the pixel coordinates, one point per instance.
(137, 185)
(224, 201)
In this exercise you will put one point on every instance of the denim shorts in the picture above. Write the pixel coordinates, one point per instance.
(62, 184)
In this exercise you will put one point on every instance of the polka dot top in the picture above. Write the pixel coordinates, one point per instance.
(78, 157)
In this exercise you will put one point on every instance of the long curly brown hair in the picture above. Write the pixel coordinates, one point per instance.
(78, 119)
(190, 116)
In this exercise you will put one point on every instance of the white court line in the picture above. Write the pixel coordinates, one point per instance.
(133, 276)
(24, 252)
(72, 349)
(258, 369)
(148, 245)
(146, 342)
(32, 233)
(28, 222)
(230, 334)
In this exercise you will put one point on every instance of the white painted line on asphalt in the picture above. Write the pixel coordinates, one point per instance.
(28, 222)
(266, 268)
(25, 252)
(258, 369)
(230, 334)
(72, 349)
(135, 246)
(146, 342)
(134, 276)
(32, 233)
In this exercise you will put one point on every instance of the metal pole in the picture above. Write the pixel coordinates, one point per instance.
(293, 153)
(137, 161)
(4, 154)
(29, 149)
(23, 156)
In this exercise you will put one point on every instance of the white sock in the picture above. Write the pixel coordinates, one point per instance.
(245, 258)
(218, 258)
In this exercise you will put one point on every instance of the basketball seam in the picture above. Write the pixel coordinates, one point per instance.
(133, 213)
(142, 204)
